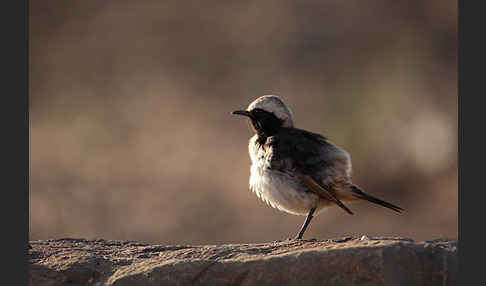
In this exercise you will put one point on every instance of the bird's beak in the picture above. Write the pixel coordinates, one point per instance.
(241, 112)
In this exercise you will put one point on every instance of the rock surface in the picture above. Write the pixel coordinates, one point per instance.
(346, 261)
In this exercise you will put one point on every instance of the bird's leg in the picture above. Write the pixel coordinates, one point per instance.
(306, 223)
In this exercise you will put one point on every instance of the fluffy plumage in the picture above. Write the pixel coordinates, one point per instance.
(294, 170)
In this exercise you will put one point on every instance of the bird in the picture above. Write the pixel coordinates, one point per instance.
(298, 171)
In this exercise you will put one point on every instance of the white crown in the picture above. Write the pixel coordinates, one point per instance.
(274, 104)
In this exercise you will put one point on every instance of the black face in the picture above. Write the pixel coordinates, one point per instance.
(264, 122)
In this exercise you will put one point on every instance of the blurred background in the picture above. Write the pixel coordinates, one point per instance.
(131, 135)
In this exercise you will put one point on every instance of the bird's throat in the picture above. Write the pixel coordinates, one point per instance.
(266, 129)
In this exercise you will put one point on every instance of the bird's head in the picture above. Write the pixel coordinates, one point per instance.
(267, 114)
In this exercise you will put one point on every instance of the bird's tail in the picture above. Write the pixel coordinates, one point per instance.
(358, 193)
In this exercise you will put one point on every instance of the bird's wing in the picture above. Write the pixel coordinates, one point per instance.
(312, 185)
(322, 167)
(311, 154)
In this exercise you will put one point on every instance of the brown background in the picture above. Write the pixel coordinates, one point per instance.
(131, 136)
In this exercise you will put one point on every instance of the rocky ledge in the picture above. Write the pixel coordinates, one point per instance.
(346, 261)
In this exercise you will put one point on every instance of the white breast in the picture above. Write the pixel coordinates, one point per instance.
(279, 190)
